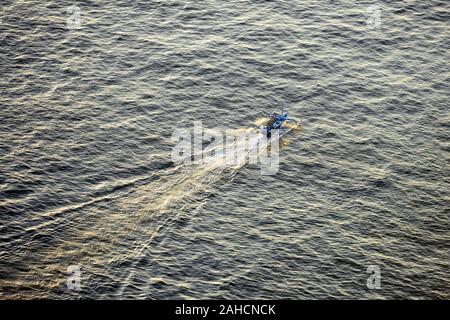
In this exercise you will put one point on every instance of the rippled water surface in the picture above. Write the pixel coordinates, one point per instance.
(86, 176)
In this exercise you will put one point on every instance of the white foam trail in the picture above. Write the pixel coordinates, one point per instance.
(183, 189)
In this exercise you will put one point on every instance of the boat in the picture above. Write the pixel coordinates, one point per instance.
(279, 121)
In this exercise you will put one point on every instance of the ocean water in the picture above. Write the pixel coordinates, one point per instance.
(86, 177)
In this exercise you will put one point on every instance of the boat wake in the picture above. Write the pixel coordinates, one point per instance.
(139, 219)
(183, 189)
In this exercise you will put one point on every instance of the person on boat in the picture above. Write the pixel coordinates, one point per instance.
(275, 122)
